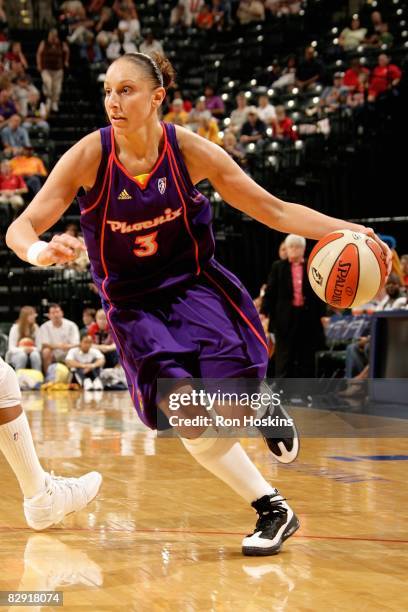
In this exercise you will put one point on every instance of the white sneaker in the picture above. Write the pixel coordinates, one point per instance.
(88, 384)
(60, 497)
(97, 384)
(55, 107)
(276, 523)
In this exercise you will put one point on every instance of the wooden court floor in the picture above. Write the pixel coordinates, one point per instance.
(165, 535)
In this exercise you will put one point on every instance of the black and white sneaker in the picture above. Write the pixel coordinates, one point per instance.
(275, 524)
(282, 439)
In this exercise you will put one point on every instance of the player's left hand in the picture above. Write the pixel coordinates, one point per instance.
(62, 249)
(385, 248)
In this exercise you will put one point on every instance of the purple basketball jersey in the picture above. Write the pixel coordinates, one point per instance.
(142, 238)
(174, 311)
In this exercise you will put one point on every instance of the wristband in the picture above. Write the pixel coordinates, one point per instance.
(33, 252)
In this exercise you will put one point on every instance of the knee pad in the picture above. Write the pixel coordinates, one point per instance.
(10, 394)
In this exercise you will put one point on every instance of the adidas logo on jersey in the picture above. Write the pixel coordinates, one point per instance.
(124, 195)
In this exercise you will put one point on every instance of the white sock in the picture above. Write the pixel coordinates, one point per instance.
(226, 459)
(17, 445)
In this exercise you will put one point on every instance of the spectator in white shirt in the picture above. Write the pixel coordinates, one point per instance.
(57, 336)
(118, 46)
(150, 45)
(350, 38)
(178, 16)
(24, 341)
(86, 363)
(130, 24)
(266, 111)
(197, 114)
(357, 353)
(185, 12)
(239, 114)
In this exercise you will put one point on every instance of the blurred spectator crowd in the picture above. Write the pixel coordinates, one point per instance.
(299, 95)
(60, 352)
(292, 96)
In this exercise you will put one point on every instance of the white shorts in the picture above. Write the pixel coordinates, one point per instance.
(10, 394)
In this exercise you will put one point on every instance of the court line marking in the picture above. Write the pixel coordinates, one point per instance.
(4, 528)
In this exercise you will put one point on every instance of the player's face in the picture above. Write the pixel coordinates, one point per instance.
(130, 97)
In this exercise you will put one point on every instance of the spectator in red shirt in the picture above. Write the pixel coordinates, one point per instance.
(283, 126)
(357, 97)
(352, 75)
(15, 55)
(205, 18)
(11, 187)
(384, 76)
(102, 339)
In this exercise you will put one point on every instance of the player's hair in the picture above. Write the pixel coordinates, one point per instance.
(158, 68)
(85, 334)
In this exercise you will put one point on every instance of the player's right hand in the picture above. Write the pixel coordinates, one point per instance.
(63, 248)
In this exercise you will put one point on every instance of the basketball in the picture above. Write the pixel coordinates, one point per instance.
(26, 342)
(346, 268)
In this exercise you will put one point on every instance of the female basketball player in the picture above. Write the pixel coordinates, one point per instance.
(175, 312)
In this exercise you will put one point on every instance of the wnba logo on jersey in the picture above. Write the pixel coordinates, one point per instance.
(161, 184)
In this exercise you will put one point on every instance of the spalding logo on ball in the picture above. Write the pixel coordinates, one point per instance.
(347, 269)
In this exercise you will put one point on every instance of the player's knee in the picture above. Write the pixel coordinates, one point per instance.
(210, 443)
(10, 394)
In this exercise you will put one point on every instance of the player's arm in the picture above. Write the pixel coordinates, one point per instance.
(206, 160)
(77, 167)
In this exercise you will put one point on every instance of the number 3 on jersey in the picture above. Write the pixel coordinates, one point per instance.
(147, 245)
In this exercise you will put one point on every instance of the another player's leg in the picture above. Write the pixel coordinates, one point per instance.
(47, 498)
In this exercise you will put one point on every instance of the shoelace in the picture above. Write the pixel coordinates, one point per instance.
(60, 482)
(274, 513)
